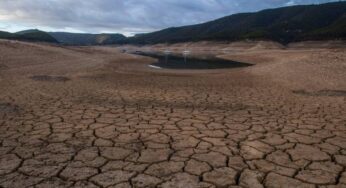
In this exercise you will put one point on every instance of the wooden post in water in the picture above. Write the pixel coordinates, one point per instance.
(186, 53)
(166, 52)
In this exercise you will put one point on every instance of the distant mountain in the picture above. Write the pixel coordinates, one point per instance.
(87, 39)
(4, 35)
(284, 25)
(33, 35)
(288, 24)
(27, 31)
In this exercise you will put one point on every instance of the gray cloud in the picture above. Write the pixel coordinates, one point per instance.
(126, 16)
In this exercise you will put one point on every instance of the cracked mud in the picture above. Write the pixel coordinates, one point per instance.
(111, 126)
(50, 78)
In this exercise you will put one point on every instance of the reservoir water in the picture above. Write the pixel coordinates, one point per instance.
(180, 62)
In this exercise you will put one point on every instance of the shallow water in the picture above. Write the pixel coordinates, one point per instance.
(180, 62)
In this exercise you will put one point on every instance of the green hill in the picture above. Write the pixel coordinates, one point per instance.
(284, 25)
(4, 35)
(87, 39)
(29, 35)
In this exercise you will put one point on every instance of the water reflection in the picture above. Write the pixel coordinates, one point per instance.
(187, 61)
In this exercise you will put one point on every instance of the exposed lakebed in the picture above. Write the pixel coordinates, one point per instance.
(173, 61)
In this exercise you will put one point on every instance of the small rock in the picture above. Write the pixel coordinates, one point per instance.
(308, 152)
(277, 181)
(251, 179)
(112, 177)
(143, 180)
(221, 177)
(317, 176)
(213, 158)
(77, 174)
(8, 163)
(154, 155)
(165, 168)
(197, 168)
(115, 153)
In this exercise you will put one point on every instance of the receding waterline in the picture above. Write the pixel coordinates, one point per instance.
(181, 62)
(154, 67)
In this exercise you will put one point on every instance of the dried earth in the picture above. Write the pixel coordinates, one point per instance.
(96, 117)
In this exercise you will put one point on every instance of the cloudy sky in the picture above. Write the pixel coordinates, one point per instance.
(123, 16)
